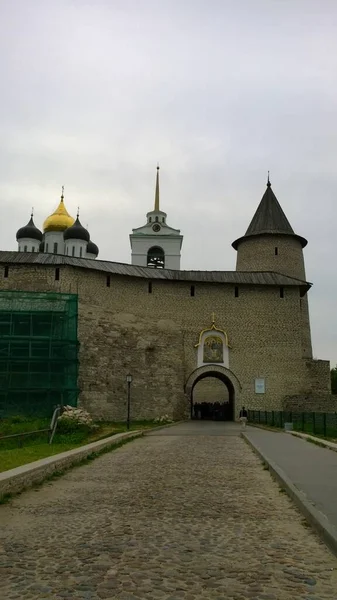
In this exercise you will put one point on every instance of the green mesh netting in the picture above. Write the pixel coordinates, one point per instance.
(38, 352)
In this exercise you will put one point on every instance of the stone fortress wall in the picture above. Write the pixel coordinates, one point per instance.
(127, 325)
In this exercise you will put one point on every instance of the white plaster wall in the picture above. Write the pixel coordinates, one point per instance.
(200, 355)
(32, 245)
(78, 245)
(52, 237)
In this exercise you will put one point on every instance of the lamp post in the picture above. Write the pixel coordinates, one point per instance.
(128, 380)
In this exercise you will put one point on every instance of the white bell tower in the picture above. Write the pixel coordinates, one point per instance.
(156, 244)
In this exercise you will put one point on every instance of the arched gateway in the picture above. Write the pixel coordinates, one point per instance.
(226, 376)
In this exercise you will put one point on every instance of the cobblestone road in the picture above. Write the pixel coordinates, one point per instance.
(184, 514)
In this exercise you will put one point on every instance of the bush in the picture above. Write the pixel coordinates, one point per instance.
(163, 419)
(75, 420)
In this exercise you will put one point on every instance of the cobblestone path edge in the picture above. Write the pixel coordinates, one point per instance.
(316, 519)
(15, 481)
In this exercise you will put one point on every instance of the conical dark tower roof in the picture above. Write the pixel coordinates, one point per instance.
(269, 219)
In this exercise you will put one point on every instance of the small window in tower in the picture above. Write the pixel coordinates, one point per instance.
(6, 271)
(163, 220)
(67, 251)
(236, 291)
(157, 219)
(46, 247)
(150, 287)
(33, 249)
(73, 251)
(150, 220)
(276, 250)
(81, 252)
(55, 247)
(108, 281)
(281, 292)
(25, 249)
(192, 290)
(57, 274)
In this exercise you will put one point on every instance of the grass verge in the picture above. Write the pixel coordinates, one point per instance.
(13, 455)
(5, 498)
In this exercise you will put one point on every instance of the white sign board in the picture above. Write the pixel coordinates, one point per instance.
(260, 386)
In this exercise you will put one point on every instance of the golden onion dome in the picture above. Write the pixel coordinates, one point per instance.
(60, 220)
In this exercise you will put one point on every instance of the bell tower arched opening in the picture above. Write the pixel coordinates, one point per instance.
(156, 258)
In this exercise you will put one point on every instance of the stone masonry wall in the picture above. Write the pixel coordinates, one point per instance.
(316, 392)
(257, 253)
(124, 328)
(313, 403)
(315, 395)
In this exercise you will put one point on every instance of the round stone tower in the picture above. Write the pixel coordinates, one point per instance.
(270, 244)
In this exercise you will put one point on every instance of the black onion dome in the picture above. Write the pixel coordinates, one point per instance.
(76, 232)
(92, 248)
(29, 231)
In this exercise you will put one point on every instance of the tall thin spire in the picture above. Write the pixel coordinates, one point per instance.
(156, 199)
(268, 181)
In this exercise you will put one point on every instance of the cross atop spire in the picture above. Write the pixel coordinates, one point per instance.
(32, 213)
(78, 212)
(62, 194)
(156, 199)
(268, 181)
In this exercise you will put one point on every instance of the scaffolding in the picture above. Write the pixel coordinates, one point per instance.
(38, 352)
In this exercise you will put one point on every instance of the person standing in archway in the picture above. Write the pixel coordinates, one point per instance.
(243, 417)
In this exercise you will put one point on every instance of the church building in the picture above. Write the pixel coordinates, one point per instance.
(74, 328)
(62, 234)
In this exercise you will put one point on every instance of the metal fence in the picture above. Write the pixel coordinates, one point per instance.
(19, 438)
(309, 422)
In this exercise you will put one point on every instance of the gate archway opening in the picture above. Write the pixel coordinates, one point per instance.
(217, 396)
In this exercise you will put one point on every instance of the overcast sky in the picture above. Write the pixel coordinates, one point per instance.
(95, 92)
